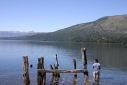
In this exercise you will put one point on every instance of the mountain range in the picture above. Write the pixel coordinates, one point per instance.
(108, 29)
(15, 33)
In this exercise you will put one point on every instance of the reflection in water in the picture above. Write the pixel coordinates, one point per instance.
(112, 55)
(74, 80)
(95, 83)
(54, 80)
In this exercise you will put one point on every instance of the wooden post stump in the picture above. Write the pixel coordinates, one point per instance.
(84, 62)
(41, 76)
(56, 66)
(74, 61)
(51, 81)
(75, 74)
(26, 80)
(84, 58)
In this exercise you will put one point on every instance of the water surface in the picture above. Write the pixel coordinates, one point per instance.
(113, 59)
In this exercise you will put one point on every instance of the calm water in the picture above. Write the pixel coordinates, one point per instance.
(113, 58)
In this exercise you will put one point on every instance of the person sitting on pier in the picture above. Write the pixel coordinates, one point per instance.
(96, 68)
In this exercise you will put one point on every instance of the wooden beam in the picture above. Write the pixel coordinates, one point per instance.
(62, 71)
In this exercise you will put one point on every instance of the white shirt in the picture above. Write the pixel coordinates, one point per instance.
(96, 67)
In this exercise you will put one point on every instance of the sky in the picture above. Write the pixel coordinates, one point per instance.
(53, 15)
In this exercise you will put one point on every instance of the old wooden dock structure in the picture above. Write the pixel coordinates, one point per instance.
(41, 71)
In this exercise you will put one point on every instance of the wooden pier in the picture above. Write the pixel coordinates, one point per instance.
(41, 71)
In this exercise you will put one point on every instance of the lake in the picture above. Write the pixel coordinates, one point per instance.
(113, 59)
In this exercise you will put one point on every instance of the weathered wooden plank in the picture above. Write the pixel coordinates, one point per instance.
(62, 71)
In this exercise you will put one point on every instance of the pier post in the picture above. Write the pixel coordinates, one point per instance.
(84, 62)
(41, 76)
(75, 74)
(74, 61)
(26, 80)
(84, 58)
(56, 66)
(51, 81)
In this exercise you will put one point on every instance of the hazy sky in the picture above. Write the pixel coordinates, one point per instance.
(52, 15)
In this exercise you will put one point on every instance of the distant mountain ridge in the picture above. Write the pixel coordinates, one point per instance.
(108, 29)
(15, 33)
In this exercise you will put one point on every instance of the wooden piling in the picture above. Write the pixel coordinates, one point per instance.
(75, 74)
(51, 69)
(74, 61)
(41, 76)
(56, 66)
(26, 80)
(51, 81)
(41, 72)
(84, 58)
(84, 62)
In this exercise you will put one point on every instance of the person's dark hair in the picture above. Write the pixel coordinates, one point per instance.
(96, 60)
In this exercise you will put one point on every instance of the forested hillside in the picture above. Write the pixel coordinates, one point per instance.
(108, 29)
